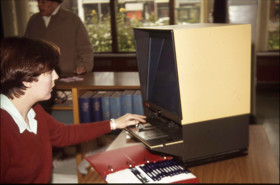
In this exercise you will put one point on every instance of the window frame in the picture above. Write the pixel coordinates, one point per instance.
(103, 61)
(262, 26)
(204, 13)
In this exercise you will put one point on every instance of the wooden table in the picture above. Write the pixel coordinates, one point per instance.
(259, 166)
(94, 81)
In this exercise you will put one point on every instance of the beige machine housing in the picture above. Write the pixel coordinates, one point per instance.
(214, 61)
(214, 74)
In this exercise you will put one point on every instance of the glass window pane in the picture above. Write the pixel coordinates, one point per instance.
(97, 21)
(138, 13)
(273, 25)
(187, 11)
(33, 7)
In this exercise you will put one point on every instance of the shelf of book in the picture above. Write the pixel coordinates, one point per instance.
(103, 105)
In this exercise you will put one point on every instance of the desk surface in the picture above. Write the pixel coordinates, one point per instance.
(103, 80)
(259, 166)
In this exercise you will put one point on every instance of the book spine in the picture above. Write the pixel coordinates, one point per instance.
(126, 104)
(115, 107)
(137, 105)
(96, 109)
(85, 109)
(105, 107)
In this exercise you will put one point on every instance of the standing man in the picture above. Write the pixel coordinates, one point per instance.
(64, 28)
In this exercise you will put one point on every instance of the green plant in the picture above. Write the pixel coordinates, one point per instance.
(100, 33)
(125, 31)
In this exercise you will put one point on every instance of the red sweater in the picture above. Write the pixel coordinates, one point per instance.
(27, 157)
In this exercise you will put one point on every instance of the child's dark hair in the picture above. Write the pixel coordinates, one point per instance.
(23, 60)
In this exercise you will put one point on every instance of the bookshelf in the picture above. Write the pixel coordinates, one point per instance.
(94, 81)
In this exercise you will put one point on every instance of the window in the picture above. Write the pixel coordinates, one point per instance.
(111, 29)
(130, 14)
(268, 25)
(273, 25)
(97, 18)
(187, 11)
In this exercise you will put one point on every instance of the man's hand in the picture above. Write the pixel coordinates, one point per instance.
(80, 70)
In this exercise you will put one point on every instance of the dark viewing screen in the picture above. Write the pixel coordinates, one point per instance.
(163, 88)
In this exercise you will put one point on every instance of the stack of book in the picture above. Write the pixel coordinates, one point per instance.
(104, 105)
